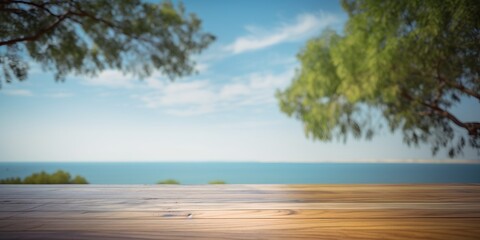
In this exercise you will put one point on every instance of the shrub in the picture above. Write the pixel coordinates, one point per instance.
(59, 177)
(13, 180)
(217, 182)
(169, 181)
(79, 180)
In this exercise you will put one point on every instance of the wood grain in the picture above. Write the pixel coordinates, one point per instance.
(240, 211)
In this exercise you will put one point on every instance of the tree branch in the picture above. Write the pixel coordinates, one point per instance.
(451, 84)
(473, 128)
(41, 6)
(36, 35)
(83, 13)
(13, 10)
(465, 90)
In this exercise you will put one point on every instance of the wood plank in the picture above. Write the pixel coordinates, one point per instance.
(105, 206)
(247, 214)
(246, 228)
(240, 211)
(241, 235)
(365, 197)
(215, 225)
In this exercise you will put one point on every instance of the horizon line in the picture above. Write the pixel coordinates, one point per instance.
(386, 161)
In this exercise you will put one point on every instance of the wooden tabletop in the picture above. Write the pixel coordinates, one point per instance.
(240, 211)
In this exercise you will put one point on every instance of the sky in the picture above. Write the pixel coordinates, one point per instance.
(226, 112)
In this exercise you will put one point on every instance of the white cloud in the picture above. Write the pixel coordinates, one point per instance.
(305, 26)
(60, 95)
(201, 67)
(178, 94)
(116, 79)
(18, 92)
(112, 79)
(201, 96)
(234, 90)
(191, 111)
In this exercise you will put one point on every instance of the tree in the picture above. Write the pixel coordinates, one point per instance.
(79, 180)
(59, 177)
(407, 62)
(12, 180)
(86, 37)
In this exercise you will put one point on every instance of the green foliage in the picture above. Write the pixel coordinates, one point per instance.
(13, 180)
(169, 181)
(86, 37)
(406, 62)
(59, 177)
(79, 180)
(217, 182)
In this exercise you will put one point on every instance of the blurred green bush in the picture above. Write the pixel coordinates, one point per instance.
(217, 182)
(168, 181)
(59, 177)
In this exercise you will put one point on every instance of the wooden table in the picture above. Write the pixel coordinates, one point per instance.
(240, 211)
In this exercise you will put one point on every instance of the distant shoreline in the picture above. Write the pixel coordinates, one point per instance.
(253, 173)
(386, 161)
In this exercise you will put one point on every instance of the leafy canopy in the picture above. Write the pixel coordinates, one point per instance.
(407, 62)
(86, 37)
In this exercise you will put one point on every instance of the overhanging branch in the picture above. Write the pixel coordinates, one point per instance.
(473, 128)
(37, 34)
(465, 90)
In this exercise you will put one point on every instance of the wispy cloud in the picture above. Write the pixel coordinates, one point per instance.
(17, 92)
(202, 96)
(60, 95)
(112, 79)
(178, 94)
(305, 25)
(201, 67)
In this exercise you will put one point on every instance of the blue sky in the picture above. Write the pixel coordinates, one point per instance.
(227, 112)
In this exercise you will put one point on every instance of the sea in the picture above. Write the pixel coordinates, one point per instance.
(252, 172)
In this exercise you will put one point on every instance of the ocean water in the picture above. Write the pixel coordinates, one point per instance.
(251, 173)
